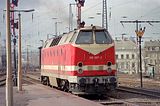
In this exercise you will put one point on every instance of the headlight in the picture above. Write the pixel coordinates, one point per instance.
(80, 64)
(80, 71)
(109, 63)
(109, 69)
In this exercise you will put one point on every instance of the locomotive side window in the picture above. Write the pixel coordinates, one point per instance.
(73, 37)
(85, 37)
(102, 37)
(55, 41)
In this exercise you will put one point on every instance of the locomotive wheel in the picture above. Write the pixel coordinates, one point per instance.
(42, 80)
(45, 80)
(64, 86)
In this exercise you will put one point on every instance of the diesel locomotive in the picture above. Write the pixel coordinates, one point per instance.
(81, 61)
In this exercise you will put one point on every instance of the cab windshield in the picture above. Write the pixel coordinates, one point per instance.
(102, 37)
(85, 37)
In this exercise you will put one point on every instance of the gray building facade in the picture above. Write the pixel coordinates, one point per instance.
(152, 56)
(127, 56)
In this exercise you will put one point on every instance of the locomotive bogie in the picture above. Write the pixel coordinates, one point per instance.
(94, 85)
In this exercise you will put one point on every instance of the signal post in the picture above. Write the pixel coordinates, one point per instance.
(139, 34)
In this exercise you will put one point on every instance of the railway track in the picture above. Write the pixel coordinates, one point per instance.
(31, 79)
(28, 78)
(123, 102)
(146, 92)
(2, 79)
(117, 102)
(144, 97)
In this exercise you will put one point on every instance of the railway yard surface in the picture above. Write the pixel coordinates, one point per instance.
(36, 94)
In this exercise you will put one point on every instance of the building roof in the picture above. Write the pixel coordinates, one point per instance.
(152, 43)
(125, 44)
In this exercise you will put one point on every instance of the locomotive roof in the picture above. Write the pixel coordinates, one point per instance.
(66, 37)
(91, 27)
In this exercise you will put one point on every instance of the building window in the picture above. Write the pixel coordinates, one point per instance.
(122, 65)
(127, 65)
(153, 48)
(151, 61)
(117, 65)
(116, 56)
(127, 56)
(157, 48)
(133, 56)
(133, 65)
(122, 56)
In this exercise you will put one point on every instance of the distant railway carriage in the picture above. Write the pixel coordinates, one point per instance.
(81, 61)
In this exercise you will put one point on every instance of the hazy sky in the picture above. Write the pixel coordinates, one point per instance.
(42, 24)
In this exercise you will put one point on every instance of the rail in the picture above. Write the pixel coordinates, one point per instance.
(2, 80)
(141, 91)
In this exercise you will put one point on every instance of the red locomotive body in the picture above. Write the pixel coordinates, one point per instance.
(82, 61)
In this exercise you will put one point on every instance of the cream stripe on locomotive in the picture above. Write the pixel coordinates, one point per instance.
(94, 48)
(73, 68)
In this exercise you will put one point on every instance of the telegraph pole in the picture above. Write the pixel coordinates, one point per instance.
(9, 84)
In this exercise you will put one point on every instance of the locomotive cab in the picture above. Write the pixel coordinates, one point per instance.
(96, 67)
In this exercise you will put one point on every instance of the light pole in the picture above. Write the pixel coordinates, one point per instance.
(48, 36)
(40, 48)
(91, 18)
(71, 17)
(28, 58)
(54, 18)
(56, 28)
(19, 56)
(139, 34)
